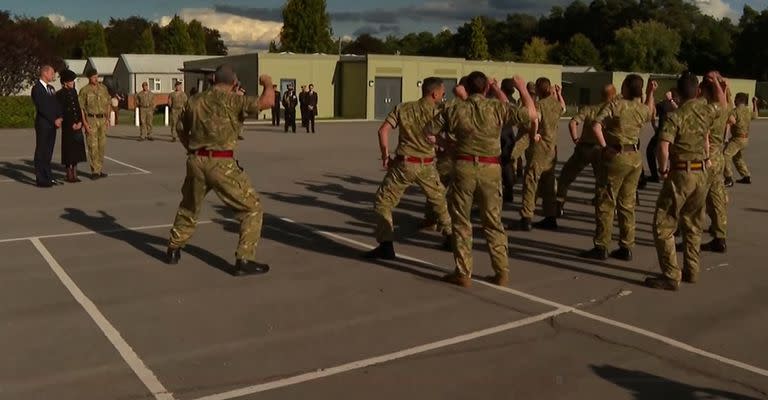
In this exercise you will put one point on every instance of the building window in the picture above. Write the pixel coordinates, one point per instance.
(155, 84)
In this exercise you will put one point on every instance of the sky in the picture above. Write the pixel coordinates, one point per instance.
(248, 25)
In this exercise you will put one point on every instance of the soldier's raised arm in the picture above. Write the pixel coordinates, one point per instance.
(267, 98)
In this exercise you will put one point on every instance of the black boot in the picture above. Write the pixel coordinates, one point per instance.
(548, 223)
(622, 253)
(525, 224)
(662, 283)
(247, 267)
(745, 180)
(596, 253)
(385, 251)
(728, 181)
(172, 256)
(715, 246)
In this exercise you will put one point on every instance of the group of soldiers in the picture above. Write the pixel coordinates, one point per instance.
(306, 100)
(463, 152)
(145, 102)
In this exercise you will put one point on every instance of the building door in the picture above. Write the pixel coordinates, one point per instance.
(284, 85)
(388, 92)
(449, 83)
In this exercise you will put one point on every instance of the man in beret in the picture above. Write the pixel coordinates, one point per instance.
(95, 103)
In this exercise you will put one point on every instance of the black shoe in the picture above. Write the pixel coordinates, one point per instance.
(172, 256)
(525, 224)
(662, 283)
(688, 277)
(715, 246)
(151, 139)
(508, 196)
(642, 183)
(56, 182)
(728, 182)
(596, 253)
(95, 176)
(622, 253)
(173, 140)
(745, 180)
(103, 175)
(141, 139)
(240, 137)
(385, 251)
(548, 223)
(44, 184)
(246, 267)
(560, 208)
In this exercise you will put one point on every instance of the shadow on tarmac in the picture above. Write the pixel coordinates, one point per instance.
(645, 386)
(24, 172)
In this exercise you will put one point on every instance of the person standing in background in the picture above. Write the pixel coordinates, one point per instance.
(176, 102)
(94, 101)
(145, 100)
(276, 107)
(48, 118)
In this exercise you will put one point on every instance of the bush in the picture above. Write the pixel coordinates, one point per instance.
(17, 112)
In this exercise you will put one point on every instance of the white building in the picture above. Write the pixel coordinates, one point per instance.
(161, 71)
(105, 66)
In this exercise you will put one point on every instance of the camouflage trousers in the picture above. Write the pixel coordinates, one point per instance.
(617, 181)
(400, 176)
(540, 179)
(734, 152)
(717, 196)
(681, 201)
(174, 120)
(145, 122)
(583, 155)
(522, 147)
(232, 185)
(444, 166)
(482, 182)
(96, 141)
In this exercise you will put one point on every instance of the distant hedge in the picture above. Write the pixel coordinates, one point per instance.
(17, 112)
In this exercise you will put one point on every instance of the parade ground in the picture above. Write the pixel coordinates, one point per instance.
(89, 310)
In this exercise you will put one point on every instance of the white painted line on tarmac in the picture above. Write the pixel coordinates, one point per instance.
(85, 233)
(125, 164)
(640, 331)
(322, 373)
(131, 358)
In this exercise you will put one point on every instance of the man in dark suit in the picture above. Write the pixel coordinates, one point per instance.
(276, 107)
(47, 119)
(303, 105)
(311, 102)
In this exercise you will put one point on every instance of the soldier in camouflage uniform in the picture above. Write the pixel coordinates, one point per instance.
(540, 171)
(145, 100)
(717, 196)
(587, 151)
(414, 164)
(176, 102)
(208, 130)
(621, 165)
(476, 124)
(522, 140)
(740, 119)
(95, 102)
(683, 155)
(507, 146)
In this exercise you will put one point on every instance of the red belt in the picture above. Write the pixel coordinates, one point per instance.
(480, 159)
(415, 160)
(214, 153)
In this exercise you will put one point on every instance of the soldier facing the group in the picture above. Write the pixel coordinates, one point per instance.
(176, 102)
(145, 101)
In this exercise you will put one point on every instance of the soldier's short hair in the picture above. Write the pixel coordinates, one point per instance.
(508, 86)
(477, 82)
(741, 99)
(178, 83)
(688, 85)
(91, 72)
(225, 73)
(543, 86)
(609, 92)
(633, 83)
(430, 85)
(463, 81)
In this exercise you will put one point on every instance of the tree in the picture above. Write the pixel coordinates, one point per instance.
(750, 54)
(214, 46)
(306, 27)
(26, 44)
(131, 35)
(646, 47)
(537, 51)
(478, 45)
(365, 44)
(197, 36)
(174, 38)
(95, 43)
(579, 50)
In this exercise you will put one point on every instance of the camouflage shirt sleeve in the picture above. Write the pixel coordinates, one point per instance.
(670, 130)
(608, 111)
(249, 105)
(581, 116)
(184, 125)
(514, 114)
(393, 118)
(439, 123)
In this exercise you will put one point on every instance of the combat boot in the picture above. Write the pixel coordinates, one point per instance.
(385, 251)
(247, 267)
(500, 279)
(597, 253)
(728, 182)
(173, 255)
(689, 277)
(427, 225)
(745, 180)
(622, 253)
(548, 223)
(662, 283)
(525, 224)
(715, 246)
(458, 279)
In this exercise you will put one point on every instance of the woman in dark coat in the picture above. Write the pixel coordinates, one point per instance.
(72, 143)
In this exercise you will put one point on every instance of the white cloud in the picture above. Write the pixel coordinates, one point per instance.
(716, 8)
(60, 20)
(240, 34)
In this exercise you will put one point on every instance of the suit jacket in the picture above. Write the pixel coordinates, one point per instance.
(47, 106)
(311, 100)
(290, 100)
